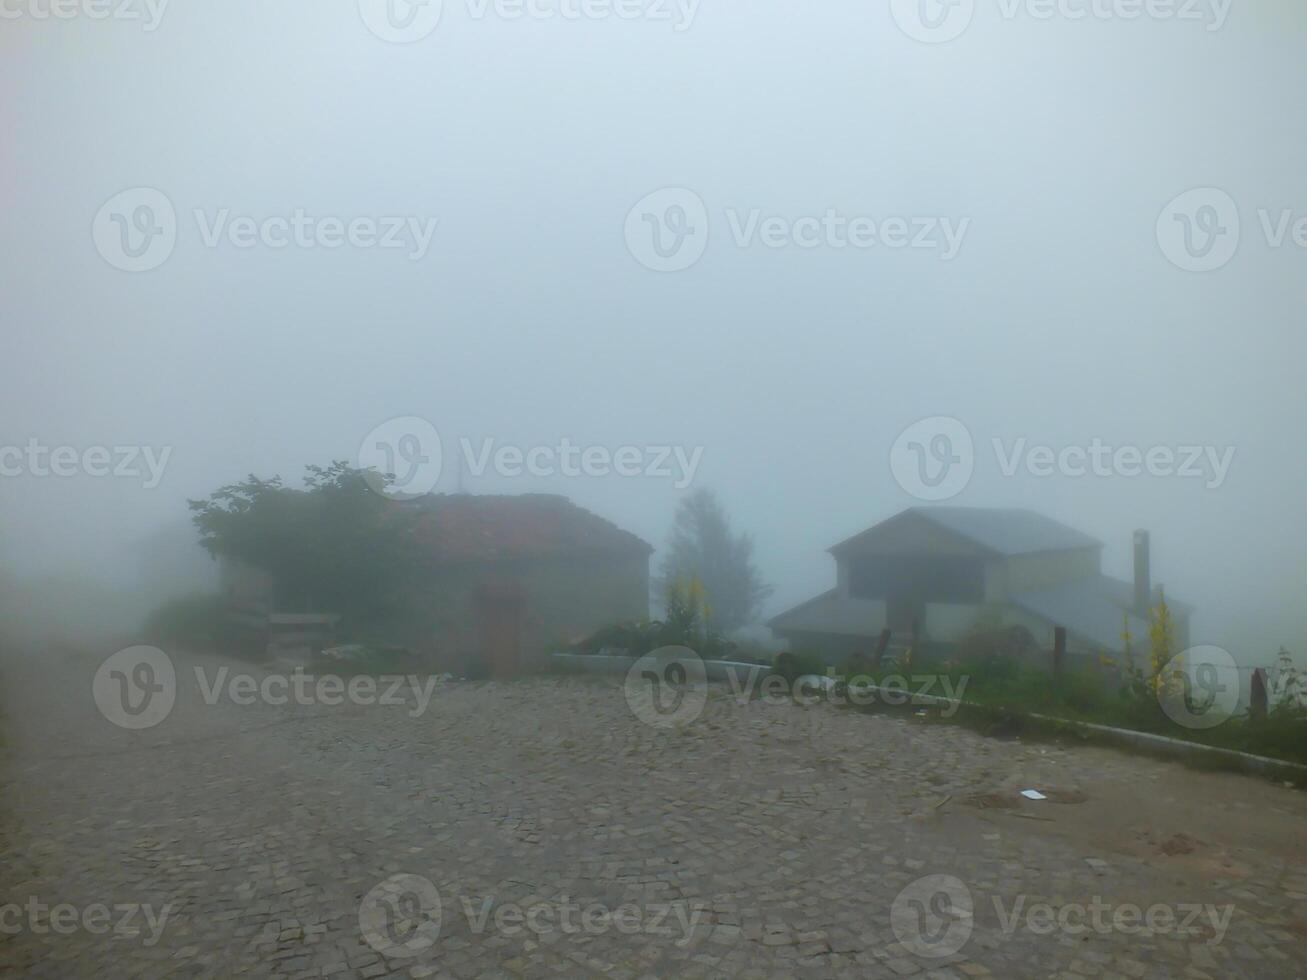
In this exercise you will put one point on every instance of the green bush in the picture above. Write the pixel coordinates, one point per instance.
(685, 625)
(1282, 734)
(635, 639)
(792, 666)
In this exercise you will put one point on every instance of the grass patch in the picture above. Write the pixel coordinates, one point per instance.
(1003, 696)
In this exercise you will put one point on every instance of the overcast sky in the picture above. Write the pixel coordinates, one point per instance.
(1039, 289)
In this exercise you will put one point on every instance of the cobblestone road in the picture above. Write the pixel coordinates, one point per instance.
(760, 841)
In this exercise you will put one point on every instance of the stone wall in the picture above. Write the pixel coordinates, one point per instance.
(562, 600)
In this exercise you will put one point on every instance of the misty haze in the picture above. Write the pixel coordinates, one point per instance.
(653, 488)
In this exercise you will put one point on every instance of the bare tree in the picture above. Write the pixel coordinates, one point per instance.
(703, 546)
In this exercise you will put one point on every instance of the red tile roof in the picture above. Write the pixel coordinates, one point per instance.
(471, 527)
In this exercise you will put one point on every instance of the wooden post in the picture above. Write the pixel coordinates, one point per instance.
(1059, 653)
(882, 645)
(1260, 698)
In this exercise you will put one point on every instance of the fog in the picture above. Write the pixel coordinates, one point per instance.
(1050, 148)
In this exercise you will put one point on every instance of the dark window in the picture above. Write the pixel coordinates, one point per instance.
(920, 578)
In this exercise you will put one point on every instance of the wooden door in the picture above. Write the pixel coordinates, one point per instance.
(500, 615)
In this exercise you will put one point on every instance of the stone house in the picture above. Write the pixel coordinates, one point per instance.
(946, 571)
(513, 577)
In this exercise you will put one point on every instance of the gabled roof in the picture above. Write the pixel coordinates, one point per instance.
(828, 613)
(474, 527)
(1002, 531)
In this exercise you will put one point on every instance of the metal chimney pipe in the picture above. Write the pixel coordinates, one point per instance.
(1143, 574)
